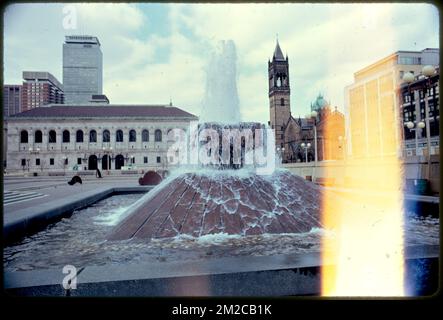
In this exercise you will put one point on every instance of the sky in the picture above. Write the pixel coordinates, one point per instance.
(154, 53)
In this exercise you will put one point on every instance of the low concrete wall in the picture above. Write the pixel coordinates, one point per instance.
(278, 275)
(414, 168)
(418, 167)
(324, 169)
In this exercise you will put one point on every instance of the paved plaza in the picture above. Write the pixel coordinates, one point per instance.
(26, 192)
(30, 203)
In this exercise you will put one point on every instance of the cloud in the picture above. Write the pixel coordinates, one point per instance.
(253, 94)
(105, 17)
(326, 45)
(34, 34)
(180, 78)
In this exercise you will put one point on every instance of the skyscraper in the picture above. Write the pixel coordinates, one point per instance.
(39, 89)
(12, 99)
(82, 68)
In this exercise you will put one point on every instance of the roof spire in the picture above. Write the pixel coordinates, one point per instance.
(278, 54)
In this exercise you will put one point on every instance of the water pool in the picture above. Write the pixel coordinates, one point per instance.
(80, 240)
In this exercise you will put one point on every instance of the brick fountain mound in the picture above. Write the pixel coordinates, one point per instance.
(234, 202)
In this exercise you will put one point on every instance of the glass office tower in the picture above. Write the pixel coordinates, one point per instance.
(82, 68)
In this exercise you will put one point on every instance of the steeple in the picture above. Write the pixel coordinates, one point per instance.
(279, 95)
(278, 71)
(278, 54)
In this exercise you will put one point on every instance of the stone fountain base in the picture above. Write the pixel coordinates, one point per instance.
(198, 204)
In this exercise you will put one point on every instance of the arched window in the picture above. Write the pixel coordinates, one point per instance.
(38, 138)
(119, 136)
(52, 136)
(66, 137)
(282, 101)
(145, 135)
(132, 136)
(106, 136)
(24, 136)
(79, 136)
(168, 135)
(92, 136)
(158, 135)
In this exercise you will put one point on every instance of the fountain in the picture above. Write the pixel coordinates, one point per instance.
(191, 233)
(221, 103)
(224, 197)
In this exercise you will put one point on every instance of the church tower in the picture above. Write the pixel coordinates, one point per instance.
(279, 93)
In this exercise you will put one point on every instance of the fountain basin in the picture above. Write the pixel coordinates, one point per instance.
(265, 264)
(277, 275)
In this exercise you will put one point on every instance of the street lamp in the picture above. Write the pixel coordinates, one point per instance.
(280, 152)
(314, 117)
(428, 71)
(306, 146)
(409, 78)
(64, 164)
(420, 125)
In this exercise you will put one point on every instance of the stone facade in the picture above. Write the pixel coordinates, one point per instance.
(53, 143)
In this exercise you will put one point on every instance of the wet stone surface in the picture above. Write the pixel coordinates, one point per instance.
(201, 204)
